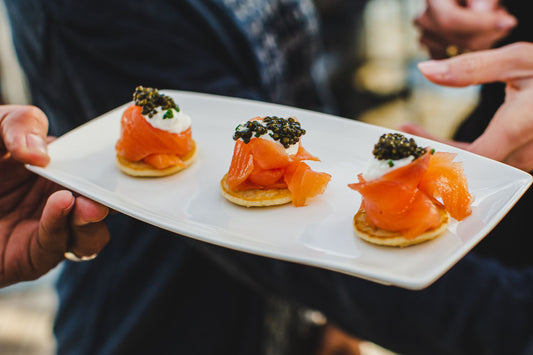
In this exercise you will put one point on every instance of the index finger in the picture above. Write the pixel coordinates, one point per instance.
(504, 64)
(23, 130)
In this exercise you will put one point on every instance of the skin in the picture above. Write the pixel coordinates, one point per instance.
(39, 221)
(470, 25)
(337, 342)
(509, 136)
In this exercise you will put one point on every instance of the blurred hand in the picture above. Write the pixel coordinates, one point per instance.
(448, 27)
(509, 136)
(337, 342)
(39, 222)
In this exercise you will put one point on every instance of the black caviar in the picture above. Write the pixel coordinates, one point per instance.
(394, 146)
(285, 130)
(149, 99)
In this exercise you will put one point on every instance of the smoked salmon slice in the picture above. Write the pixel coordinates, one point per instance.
(445, 179)
(304, 183)
(404, 199)
(268, 155)
(421, 216)
(394, 191)
(140, 141)
(242, 164)
(263, 164)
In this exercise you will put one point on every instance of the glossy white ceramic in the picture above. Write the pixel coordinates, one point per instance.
(321, 234)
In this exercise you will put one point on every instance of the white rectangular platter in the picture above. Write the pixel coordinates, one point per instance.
(320, 234)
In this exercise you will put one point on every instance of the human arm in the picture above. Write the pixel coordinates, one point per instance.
(477, 26)
(509, 136)
(39, 221)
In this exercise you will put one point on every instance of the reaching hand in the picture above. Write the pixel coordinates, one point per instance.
(448, 28)
(39, 222)
(509, 136)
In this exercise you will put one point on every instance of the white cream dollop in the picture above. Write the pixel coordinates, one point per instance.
(291, 150)
(177, 124)
(377, 168)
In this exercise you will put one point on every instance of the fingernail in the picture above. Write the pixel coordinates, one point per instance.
(433, 67)
(506, 22)
(36, 143)
(481, 6)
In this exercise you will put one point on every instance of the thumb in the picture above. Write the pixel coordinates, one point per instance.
(23, 131)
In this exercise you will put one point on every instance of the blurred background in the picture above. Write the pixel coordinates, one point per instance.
(374, 79)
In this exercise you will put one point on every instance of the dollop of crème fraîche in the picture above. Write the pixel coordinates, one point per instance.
(376, 168)
(175, 121)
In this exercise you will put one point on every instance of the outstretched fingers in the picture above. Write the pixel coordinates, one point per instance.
(504, 64)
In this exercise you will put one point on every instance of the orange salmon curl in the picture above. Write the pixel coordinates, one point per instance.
(140, 141)
(405, 199)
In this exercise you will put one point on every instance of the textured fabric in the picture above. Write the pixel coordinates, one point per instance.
(284, 35)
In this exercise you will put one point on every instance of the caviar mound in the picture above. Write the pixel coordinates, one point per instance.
(262, 171)
(145, 150)
(285, 131)
(396, 146)
(150, 98)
